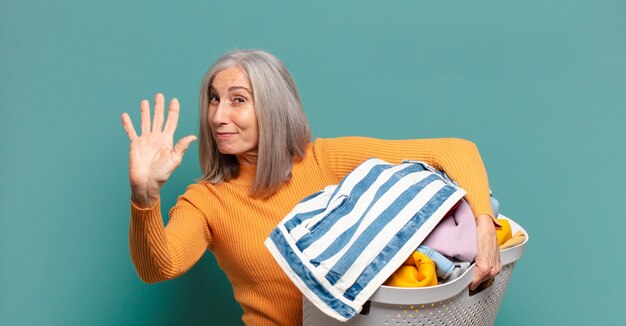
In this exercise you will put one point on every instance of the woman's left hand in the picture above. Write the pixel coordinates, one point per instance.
(488, 257)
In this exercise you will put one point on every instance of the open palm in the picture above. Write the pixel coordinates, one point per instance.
(153, 155)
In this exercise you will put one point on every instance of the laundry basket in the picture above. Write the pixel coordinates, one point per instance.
(446, 304)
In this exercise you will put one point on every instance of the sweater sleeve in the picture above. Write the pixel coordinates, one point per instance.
(161, 253)
(458, 158)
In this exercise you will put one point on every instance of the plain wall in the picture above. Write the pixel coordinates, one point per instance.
(539, 86)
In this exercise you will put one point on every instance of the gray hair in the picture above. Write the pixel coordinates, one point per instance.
(283, 127)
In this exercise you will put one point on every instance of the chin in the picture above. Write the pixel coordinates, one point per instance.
(228, 151)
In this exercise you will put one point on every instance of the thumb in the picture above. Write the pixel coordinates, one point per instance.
(475, 282)
(477, 278)
(183, 144)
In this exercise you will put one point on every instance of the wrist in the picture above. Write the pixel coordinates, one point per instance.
(147, 206)
(484, 218)
(485, 224)
(144, 202)
(144, 197)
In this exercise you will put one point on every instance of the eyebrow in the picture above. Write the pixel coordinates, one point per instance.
(232, 88)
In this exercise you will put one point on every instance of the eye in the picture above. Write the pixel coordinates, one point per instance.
(213, 98)
(239, 100)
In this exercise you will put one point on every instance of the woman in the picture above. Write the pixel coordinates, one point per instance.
(258, 163)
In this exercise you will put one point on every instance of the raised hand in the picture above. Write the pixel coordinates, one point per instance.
(153, 156)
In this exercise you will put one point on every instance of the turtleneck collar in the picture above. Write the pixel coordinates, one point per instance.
(246, 175)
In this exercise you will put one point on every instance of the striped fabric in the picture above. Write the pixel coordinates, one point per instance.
(340, 244)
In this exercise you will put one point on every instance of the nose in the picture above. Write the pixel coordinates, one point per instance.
(220, 115)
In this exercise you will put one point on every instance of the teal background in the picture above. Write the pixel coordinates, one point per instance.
(539, 86)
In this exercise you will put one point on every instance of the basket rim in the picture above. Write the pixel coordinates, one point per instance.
(401, 295)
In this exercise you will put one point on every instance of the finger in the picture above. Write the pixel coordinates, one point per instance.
(128, 126)
(183, 144)
(478, 278)
(496, 269)
(475, 282)
(496, 264)
(145, 116)
(157, 120)
(172, 117)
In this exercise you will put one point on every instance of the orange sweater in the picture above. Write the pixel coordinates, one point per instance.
(225, 220)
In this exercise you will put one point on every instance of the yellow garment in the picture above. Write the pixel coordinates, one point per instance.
(517, 238)
(504, 233)
(224, 219)
(417, 271)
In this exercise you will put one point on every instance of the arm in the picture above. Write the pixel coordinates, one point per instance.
(160, 253)
(458, 158)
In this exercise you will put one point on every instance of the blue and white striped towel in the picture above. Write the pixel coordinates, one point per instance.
(340, 244)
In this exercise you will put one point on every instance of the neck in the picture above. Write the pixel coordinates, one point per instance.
(247, 159)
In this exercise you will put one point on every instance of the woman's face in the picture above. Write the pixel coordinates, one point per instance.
(232, 116)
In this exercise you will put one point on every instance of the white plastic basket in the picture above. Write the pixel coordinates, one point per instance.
(446, 304)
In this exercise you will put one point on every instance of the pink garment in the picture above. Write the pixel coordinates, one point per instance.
(455, 236)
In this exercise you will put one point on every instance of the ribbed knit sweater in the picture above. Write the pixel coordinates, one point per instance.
(224, 219)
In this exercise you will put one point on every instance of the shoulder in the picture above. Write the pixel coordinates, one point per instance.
(197, 194)
(200, 187)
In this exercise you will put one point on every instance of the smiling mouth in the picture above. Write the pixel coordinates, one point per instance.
(224, 135)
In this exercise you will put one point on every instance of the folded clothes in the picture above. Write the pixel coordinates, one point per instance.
(504, 233)
(417, 271)
(459, 268)
(517, 238)
(443, 265)
(455, 236)
(495, 205)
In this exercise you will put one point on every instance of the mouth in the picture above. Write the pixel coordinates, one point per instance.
(224, 135)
